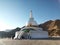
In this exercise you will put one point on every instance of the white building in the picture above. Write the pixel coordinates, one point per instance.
(31, 30)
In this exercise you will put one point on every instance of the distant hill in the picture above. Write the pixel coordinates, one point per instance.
(53, 27)
(9, 34)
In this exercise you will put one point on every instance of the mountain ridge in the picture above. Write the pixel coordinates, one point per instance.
(52, 26)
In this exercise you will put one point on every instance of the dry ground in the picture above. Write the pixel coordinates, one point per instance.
(29, 42)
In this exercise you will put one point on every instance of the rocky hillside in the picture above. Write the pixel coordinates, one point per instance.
(53, 27)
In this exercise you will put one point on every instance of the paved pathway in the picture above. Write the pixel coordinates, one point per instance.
(29, 42)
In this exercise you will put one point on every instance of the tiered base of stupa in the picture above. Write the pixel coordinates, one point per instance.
(31, 33)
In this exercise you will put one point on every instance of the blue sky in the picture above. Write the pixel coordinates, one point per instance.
(15, 13)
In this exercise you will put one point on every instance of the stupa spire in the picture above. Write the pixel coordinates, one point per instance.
(31, 14)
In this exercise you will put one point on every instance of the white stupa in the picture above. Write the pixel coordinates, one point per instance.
(31, 20)
(31, 30)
